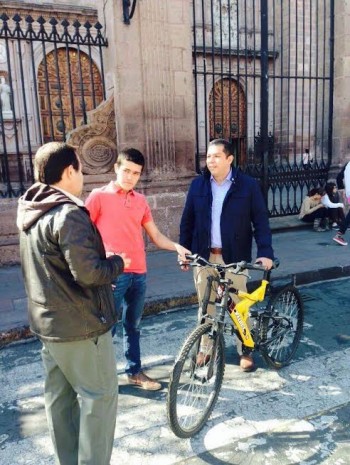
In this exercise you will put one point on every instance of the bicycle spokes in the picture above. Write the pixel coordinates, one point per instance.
(196, 381)
(281, 327)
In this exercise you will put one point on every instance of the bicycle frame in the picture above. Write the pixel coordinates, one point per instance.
(238, 312)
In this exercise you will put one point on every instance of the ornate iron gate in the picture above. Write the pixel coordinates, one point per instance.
(263, 74)
(51, 75)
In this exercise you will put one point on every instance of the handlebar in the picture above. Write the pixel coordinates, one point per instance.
(238, 267)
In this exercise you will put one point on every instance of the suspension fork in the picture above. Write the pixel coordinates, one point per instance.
(205, 301)
(218, 325)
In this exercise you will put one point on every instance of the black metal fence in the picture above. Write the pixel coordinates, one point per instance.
(51, 74)
(263, 74)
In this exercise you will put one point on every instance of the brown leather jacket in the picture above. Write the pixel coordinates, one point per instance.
(66, 273)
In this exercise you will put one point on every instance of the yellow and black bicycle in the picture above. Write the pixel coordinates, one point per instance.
(274, 329)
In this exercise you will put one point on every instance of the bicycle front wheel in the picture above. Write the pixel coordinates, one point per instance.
(195, 381)
(282, 327)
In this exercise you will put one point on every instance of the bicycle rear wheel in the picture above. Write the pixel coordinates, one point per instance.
(282, 327)
(195, 384)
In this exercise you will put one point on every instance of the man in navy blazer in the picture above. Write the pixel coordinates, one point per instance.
(224, 209)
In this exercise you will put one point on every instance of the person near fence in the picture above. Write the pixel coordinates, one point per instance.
(313, 211)
(224, 209)
(339, 237)
(70, 303)
(335, 209)
(122, 215)
(307, 159)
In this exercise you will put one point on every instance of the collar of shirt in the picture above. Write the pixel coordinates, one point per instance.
(75, 199)
(227, 179)
(219, 192)
(118, 190)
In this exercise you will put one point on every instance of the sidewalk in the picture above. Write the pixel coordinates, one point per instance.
(307, 255)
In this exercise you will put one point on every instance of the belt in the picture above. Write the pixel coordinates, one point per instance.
(216, 250)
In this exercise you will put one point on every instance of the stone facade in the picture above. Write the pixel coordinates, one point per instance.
(151, 74)
(341, 121)
(95, 142)
(9, 250)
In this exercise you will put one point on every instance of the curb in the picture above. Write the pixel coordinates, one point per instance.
(16, 334)
(324, 274)
(156, 306)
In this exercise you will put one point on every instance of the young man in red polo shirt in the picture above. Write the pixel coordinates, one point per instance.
(121, 214)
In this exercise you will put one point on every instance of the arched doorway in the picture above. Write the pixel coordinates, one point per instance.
(69, 85)
(227, 115)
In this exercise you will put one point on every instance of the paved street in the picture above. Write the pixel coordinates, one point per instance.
(299, 415)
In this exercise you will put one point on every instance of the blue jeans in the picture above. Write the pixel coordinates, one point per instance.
(129, 298)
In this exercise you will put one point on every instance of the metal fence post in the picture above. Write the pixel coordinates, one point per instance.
(264, 94)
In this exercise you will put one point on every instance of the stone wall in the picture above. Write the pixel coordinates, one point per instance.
(57, 8)
(341, 129)
(9, 251)
(150, 70)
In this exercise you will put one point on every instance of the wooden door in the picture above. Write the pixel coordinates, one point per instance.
(69, 84)
(227, 115)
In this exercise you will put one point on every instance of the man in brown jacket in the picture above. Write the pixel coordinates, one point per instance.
(70, 307)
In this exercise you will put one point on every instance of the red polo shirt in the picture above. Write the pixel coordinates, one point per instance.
(120, 216)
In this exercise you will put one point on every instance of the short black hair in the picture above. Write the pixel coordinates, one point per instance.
(329, 188)
(52, 159)
(228, 147)
(130, 154)
(316, 190)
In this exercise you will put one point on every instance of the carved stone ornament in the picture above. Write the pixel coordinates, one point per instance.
(95, 142)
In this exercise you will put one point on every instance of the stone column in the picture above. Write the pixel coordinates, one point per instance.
(341, 121)
(151, 68)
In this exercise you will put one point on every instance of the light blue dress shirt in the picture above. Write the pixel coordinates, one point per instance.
(219, 192)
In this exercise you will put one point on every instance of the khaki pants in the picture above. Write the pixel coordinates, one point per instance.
(200, 279)
(81, 392)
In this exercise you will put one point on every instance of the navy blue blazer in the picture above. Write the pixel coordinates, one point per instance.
(244, 215)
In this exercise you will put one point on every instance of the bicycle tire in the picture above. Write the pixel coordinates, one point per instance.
(284, 314)
(191, 396)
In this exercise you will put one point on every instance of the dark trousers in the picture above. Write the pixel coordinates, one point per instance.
(81, 394)
(345, 224)
(320, 213)
(336, 215)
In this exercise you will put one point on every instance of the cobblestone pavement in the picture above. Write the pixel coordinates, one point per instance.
(298, 415)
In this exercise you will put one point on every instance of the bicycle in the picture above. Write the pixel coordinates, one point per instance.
(276, 329)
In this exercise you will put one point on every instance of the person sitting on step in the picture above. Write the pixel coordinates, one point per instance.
(335, 208)
(313, 211)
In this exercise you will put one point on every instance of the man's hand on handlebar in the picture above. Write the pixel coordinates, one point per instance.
(181, 258)
(192, 260)
(261, 263)
(184, 262)
(265, 262)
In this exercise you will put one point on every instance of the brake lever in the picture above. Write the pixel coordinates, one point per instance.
(192, 260)
(195, 260)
